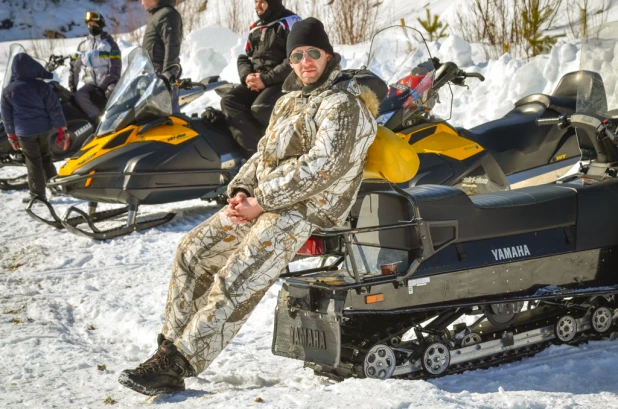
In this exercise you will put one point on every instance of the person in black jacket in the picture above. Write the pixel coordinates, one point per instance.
(30, 111)
(262, 70)
(162, 40)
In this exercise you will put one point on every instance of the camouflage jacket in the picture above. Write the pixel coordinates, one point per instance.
(315, 148)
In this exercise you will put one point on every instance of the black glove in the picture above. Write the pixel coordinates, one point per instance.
(170, 76)
(212, 116)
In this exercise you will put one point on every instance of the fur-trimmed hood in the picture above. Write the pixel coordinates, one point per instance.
(331, 78)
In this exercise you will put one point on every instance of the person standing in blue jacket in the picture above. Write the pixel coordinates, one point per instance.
(30, 111)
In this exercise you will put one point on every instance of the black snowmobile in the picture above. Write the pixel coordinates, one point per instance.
(143, 154)
(78, 124)
(428, 281)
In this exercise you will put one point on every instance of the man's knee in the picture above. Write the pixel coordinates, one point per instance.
(230, 104)
(236, 99)
(81, 95)
(183, 250)
(30, 147)
(262, 113)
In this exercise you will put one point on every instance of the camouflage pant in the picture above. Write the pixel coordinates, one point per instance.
(221, 272)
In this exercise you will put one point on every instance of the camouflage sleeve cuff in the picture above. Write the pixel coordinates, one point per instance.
(257, 193)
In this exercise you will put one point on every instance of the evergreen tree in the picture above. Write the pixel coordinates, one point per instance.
(435, 29)
(534, 18)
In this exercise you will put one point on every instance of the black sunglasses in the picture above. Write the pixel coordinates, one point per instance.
(313, 53)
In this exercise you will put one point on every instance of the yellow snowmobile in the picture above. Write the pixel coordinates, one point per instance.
(416, 145)
(142, 154)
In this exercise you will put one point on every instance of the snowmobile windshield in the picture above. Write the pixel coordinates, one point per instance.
(13, 51)
(599, 72)
(400, 56)
(139, 96)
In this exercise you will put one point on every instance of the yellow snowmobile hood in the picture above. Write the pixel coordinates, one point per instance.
(174, 133)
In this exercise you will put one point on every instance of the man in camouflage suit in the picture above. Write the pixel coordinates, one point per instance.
(304, 176)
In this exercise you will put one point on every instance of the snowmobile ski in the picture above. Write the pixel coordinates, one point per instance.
(16, 183)
(74, 221)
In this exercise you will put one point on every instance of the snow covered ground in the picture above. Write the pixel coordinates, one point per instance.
(75, 312)
(69, 305)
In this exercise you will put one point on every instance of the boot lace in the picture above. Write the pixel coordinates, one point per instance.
(159, 361)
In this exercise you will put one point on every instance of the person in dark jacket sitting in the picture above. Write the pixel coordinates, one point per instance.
(100, 56)
(162, 40)
(262, 70)
(30, 111)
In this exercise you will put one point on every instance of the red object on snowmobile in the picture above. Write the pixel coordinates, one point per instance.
(414, 89)
(314, 246)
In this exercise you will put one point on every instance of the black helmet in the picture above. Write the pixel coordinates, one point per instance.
(96, 17)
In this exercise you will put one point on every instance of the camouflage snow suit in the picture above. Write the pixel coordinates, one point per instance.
(305, 175)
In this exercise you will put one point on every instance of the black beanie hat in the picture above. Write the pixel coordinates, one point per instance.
(272, 12)
(309, 31)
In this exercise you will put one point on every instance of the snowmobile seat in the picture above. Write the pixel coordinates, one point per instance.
(561, 105)
(517, 130)
(477, 217)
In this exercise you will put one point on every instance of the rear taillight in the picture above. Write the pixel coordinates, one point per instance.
(314, 246)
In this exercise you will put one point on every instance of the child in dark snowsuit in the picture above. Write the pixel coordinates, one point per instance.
(30, 111)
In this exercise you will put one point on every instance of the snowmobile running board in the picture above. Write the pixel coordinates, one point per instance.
(59, 224)
(131, 226)
(16, 183)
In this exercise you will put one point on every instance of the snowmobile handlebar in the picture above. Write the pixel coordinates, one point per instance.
(55, 61)
(561, 121)
(473, 75)
(186, 83)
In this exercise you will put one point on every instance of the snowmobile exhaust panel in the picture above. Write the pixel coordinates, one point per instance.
(306, 335)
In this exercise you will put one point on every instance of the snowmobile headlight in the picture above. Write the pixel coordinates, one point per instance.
(382, 119)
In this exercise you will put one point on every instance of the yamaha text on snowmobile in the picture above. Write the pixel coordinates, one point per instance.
(427, 281)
